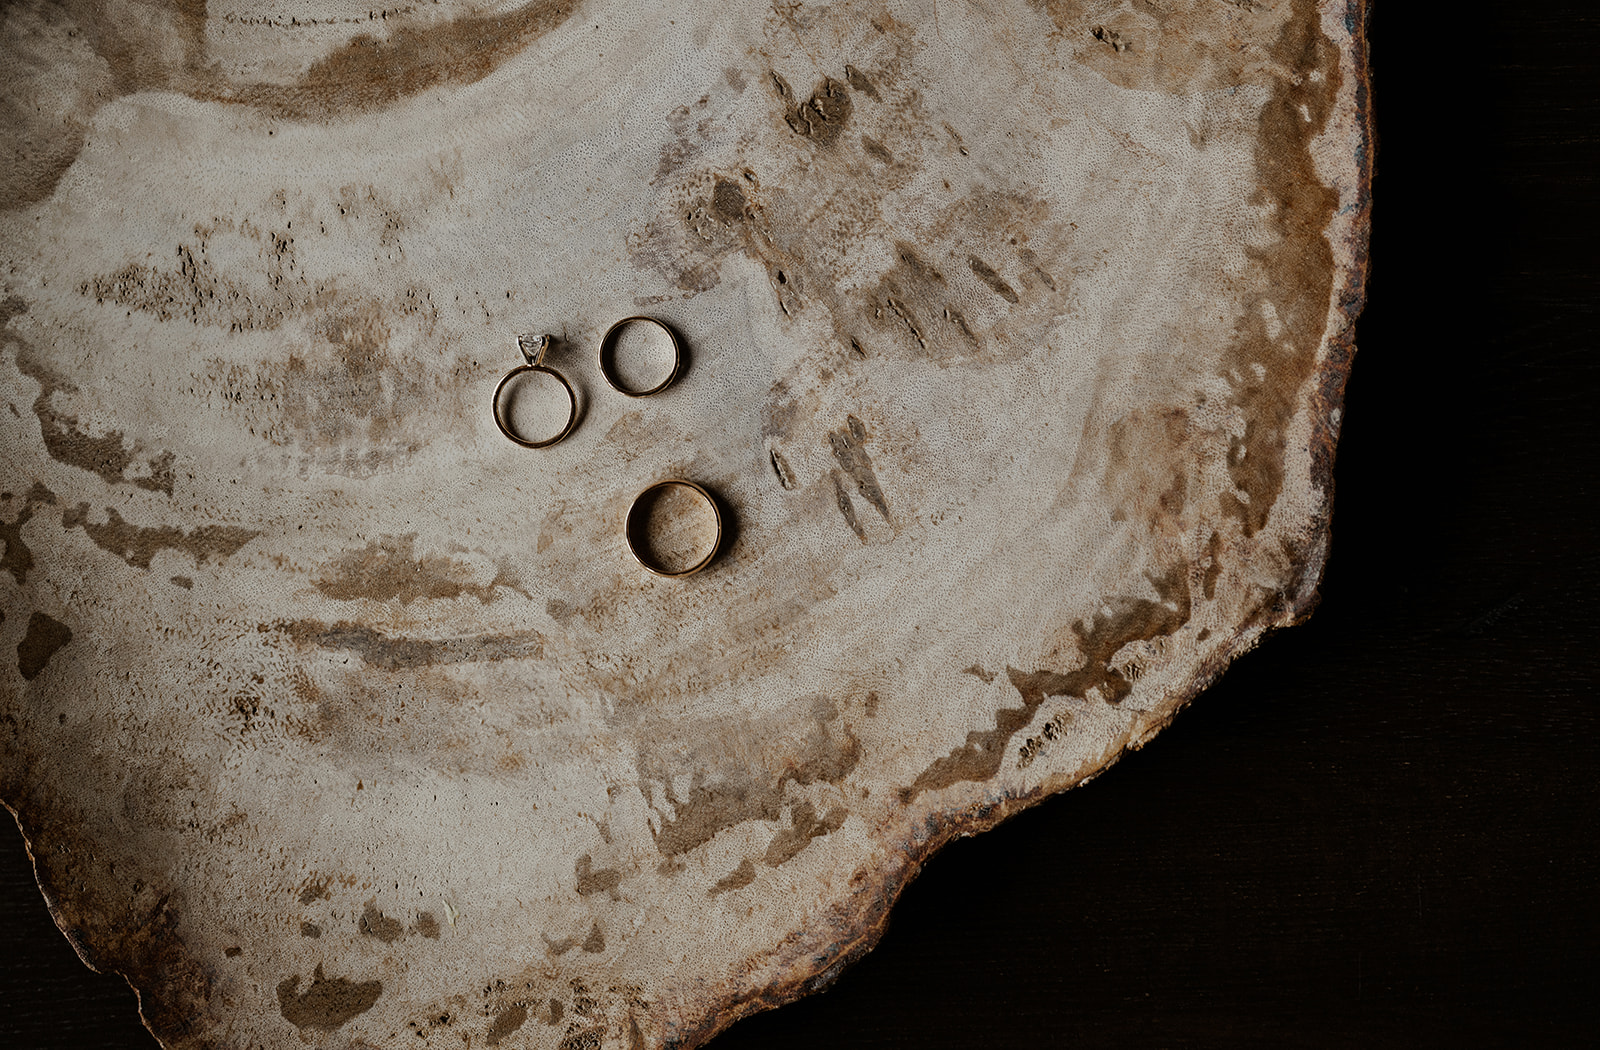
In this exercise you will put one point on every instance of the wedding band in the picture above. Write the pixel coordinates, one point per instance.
(534, 354)
(632, 527)
(608, 351)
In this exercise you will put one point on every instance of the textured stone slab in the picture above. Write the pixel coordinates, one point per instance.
(1016, 336)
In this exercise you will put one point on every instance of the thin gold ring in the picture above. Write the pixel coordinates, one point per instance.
(534, 354)
(607, 344)
(631, 528)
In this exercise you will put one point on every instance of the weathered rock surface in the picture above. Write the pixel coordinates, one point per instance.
(1017, 337)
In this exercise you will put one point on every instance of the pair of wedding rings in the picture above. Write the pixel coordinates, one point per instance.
(533, 351)
(662, 562)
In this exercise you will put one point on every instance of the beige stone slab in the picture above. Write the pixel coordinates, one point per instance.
(1015, 336)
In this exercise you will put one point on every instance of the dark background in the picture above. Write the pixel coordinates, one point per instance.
(1379, 829)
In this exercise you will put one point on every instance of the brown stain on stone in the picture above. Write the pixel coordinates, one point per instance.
(1111, 38)
(358, 381)
(819, 118)
(595, 941)
(310, 929)
(327, 1002)
(741, 772)
(1286, 291)
(912, 290)
(505, 1022)
(368, 73)
(46, 151)
(415, 715)
(1295, 273)
(110, 455)
(139, 50)
(591, 881)
(426, 925)
(1178, 46)
(342, 396)
(400, 654)
(375, 923)
(389, 569)
(18, 558)
(728, 201)
(1030, 259)
(849, 448)
(782, 470)
(43, 119)
(587, 1039)
(876, 150)
(336, 391)
(192, 289)
(315, 891)
(910, 306)
(1147, 468)
(782, 410)
(137, 545)
(838, 232)
(804, 825)
(739, 877)
(44, 638)
(847, 510)
(11, 306)
(1213, 569)
(861, 82)
(991, 277)
(1122, 620)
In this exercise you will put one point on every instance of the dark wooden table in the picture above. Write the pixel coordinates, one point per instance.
(1380, 829)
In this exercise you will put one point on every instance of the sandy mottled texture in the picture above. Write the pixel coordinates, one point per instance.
(1015, 345)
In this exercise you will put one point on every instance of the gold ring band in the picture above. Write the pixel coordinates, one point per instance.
(608, 347)
(631, 529)
(535, 359)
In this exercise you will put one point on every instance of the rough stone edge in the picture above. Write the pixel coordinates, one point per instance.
(79, 948)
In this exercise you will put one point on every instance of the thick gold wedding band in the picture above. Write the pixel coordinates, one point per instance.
(608, 348)
(535, 358)
(631, 529)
